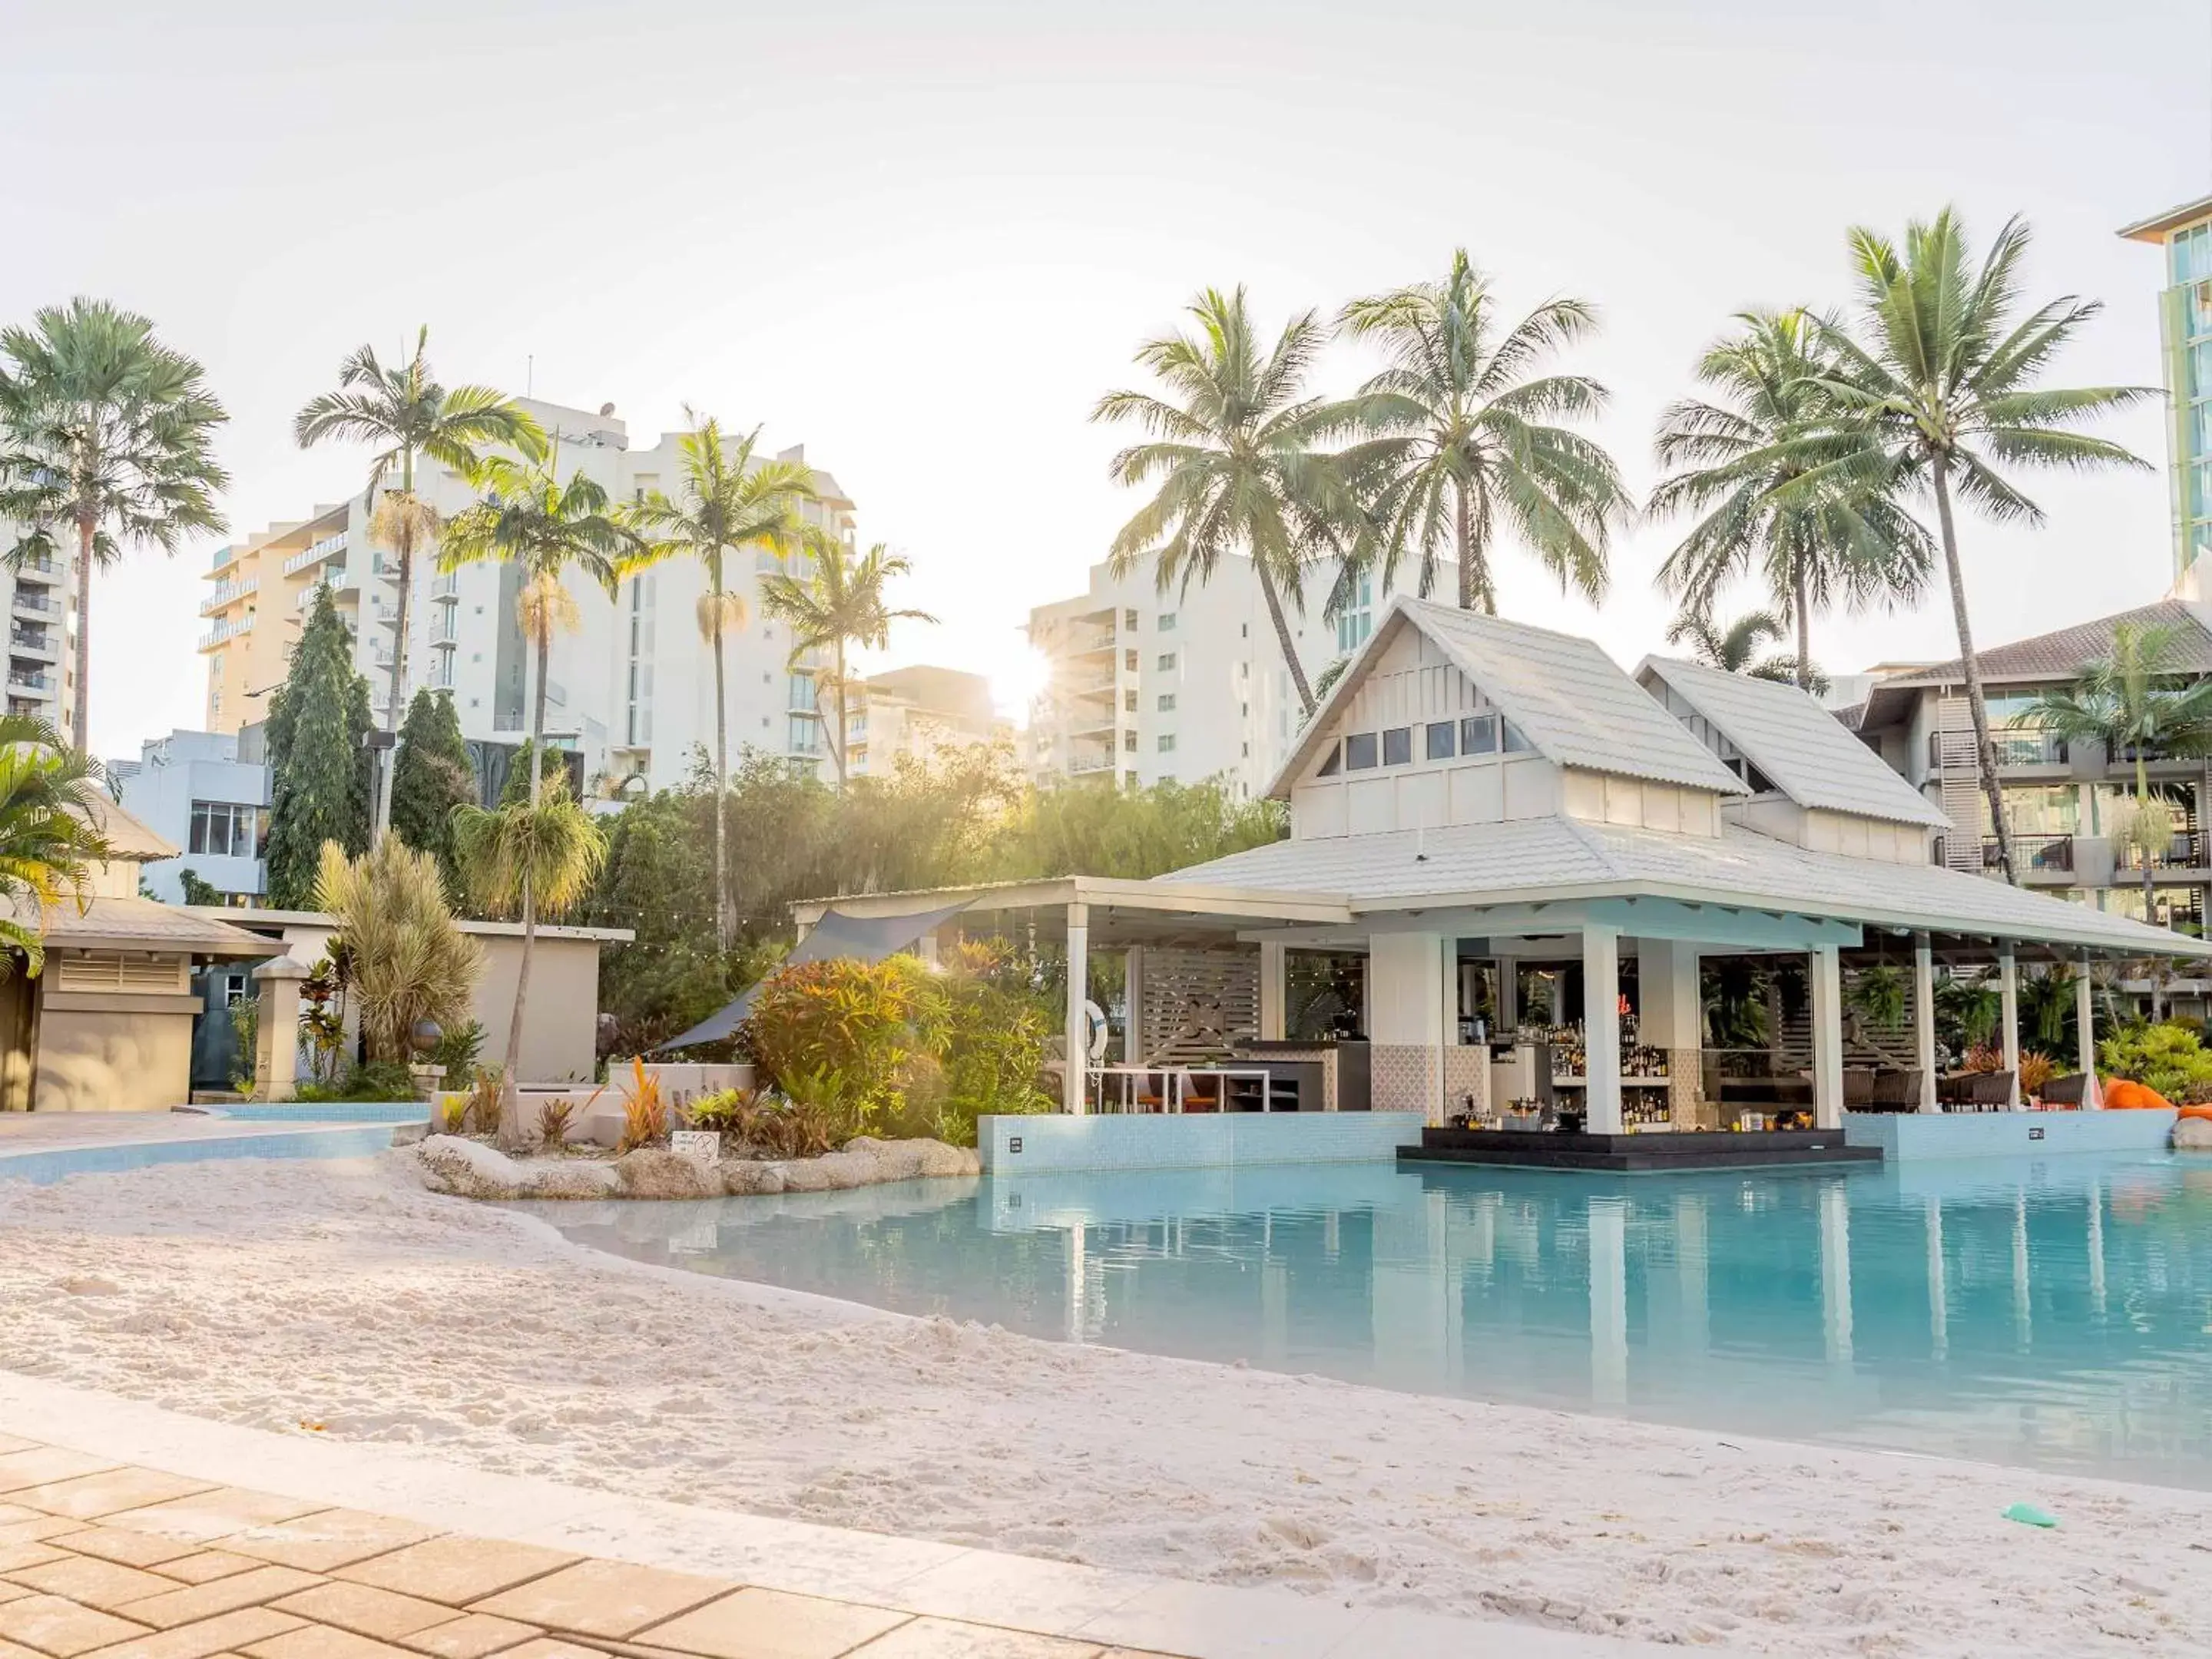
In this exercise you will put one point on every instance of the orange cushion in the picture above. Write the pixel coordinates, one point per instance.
(2204, 1112)
(2122, 1096)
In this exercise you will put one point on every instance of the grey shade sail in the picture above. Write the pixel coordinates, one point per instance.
(861, 939)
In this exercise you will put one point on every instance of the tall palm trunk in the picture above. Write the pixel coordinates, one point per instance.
(837, 738)
(722, 929)
(80, 708)
(387, 757)
(1797, 562)
(1283, 637)
(2142, 808)
(1985, 749)
(1463, 544)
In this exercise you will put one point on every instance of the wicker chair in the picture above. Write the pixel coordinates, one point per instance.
(1895, 1091)
(1858, 1088)
(2071, 1090)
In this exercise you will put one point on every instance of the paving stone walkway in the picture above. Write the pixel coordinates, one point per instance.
(106, 1561)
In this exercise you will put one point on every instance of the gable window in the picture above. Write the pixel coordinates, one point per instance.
(1330, 761)
(1478, 735)
(1398, 746)
(1515, 743)
(1359, 752)
(1440, 735)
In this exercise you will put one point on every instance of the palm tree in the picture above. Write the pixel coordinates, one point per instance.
(728, 502)
(1731, 462)
(540, 852)
(2132, 703)
(1238, 448)
(843, 600)
(1473, 440)
(405, 409)
(1737, 648)
(106, 434)
(1939, 390)
(51, 807)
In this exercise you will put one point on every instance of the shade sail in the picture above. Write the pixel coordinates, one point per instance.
(857, 938)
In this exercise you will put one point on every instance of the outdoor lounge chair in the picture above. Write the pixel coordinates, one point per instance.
(1975, 1092)
(2071, 1090)
(1895, 1090)
(1858, 1087)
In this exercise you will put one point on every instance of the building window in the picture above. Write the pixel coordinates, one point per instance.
(1129, 702)
(1478, 735)
(226, 830)
(1128, 780)
(1166, 622)
(1440, 740)
(1248, 751)
(1129, 620)
(1515, 743)
(1359, 752)
(1167, 702)
(1167, 662)
(1129, 660)
(1398, 746)
(1330, 761)
(1167, 743)
(1129, 742)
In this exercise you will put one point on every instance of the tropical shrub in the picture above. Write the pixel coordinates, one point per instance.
(382, 1079)
(2036, 1071)
(645, 1110)
(1982, 1057)
(410, 962)
(993, 1026)
(774, 1124)
(2167, 1057)
(553, 1121)
(457, 1050)
(840, 1035)
(485, 1093)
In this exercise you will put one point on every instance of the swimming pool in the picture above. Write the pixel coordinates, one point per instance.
(2054, 1315)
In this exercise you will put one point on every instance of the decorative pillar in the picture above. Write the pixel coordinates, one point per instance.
(1924, 1018)
(277, 1028)
(2085, 1038)
(1826, 986)
(1078, 993)
(1273, 960)
(1509, 996)
(1671, 1016)
(1602, 1027)
(2008, 1016)
(1406, 985)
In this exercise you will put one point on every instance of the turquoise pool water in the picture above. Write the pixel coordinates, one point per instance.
(43, 1168)
(2053, 1314)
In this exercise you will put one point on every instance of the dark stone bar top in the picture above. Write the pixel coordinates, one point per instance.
(1679, 1150)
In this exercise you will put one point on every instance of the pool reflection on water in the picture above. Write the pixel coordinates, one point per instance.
(2057, 1314)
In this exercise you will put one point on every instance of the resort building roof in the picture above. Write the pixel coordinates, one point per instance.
(1796, 743)
(1564, 694)
(117, 922)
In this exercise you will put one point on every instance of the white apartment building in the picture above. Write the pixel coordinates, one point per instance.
(918, 714)
(206, 793)
(1145, 687)
(41, 598)
(631, 690)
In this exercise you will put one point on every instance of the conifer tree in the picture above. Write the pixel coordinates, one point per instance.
(431, 776)
(318, 771)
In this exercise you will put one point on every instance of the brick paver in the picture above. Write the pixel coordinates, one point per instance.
(102, 1561)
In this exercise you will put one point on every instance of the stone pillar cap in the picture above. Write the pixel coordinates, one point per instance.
(283, 968)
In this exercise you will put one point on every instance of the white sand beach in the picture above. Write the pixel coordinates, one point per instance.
(337, 1298)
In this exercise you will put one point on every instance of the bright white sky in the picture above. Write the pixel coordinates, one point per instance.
(921, 239)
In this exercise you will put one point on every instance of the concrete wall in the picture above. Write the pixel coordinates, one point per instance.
(1911, 1136)
(1053, 1142)
(113, 1053)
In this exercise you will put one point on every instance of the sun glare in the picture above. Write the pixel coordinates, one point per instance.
(1016, 683)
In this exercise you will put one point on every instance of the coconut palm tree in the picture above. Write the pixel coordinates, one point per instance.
(1238, 448)
(1472, 440)
(1936, 380)
(51, 807)
(727, 503)
(842, 601)
(539, 852)
(1738, 648)
(106, 438)
(2132, 703)
(405, 409)
(1730, 461)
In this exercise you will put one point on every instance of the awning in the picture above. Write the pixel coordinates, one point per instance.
(856, 939)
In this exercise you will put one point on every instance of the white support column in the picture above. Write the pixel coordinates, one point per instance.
(1601, 1026)
(1924, 1018)
(2008, 1016)
(2085, 1038)
(1826, 986)
(1078, 993)
(1272, 958)
(1406, 993)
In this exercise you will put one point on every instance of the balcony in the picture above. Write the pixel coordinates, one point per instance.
(1081, 766)
(228, 593)
(34, 642)
(2031, 854)
(34, 601)
(23, 679)
(37, 570)
(336, 578)
(447, 589)
(228, 629)
(2013, 749)
(316, 552)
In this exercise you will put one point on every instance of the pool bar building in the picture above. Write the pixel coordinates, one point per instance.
(1497, 833)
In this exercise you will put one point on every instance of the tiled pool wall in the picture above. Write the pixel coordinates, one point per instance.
(43, 1167)
(1054, 1142)
(1905, 1136)
(326, 1111)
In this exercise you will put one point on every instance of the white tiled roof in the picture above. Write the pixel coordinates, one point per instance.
(1560, 857)
(1568, 699)
(1796, 743)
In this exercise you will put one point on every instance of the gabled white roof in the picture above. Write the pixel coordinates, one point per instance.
(1573, 702)
(1799, 744)
(1555, 859)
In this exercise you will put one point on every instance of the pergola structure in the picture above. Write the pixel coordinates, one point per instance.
(1474, 788)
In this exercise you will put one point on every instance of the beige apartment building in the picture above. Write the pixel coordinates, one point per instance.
(41, 598)
(919, 715)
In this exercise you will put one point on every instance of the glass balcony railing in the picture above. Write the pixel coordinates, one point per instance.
(2044, 851)
(2013, 749)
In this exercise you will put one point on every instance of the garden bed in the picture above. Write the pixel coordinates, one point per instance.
(467, 1168)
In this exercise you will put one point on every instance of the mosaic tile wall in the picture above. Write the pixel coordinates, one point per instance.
(1401, 1077)
(1466, 1073)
